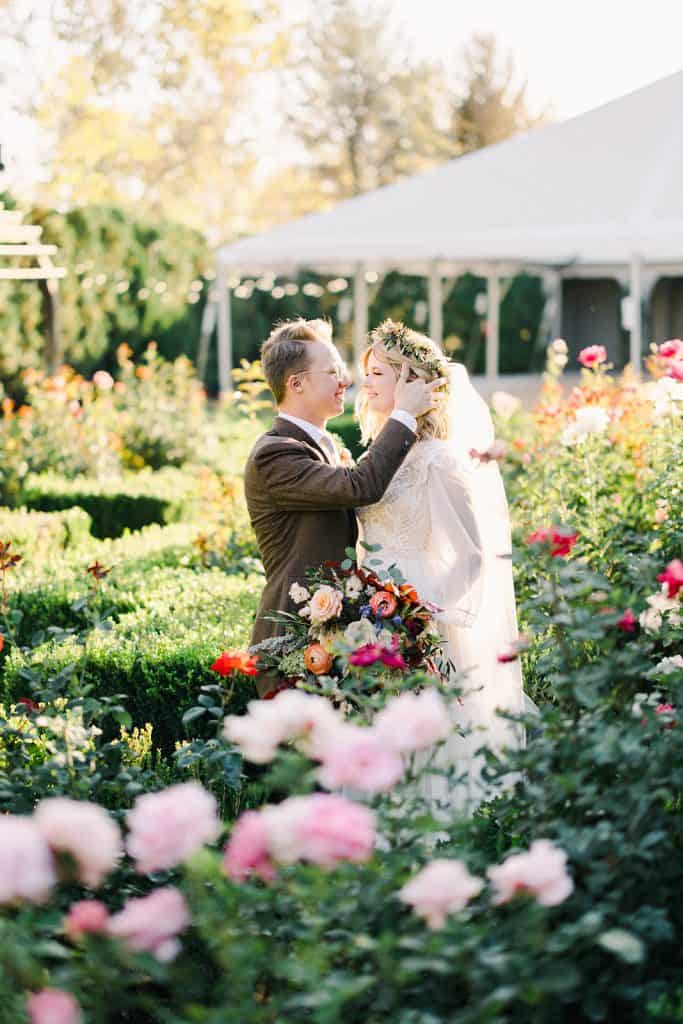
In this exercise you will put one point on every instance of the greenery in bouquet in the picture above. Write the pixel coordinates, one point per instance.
(352, 623)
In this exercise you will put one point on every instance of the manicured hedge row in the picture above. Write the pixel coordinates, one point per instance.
(39, 535)
(160, 653)
(135, 500)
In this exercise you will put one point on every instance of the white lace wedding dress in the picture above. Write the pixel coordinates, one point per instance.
(444, 522)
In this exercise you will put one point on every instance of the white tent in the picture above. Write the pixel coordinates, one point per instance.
(601, 194)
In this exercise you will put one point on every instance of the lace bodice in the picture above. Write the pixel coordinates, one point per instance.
(400, 521)
(426, 525)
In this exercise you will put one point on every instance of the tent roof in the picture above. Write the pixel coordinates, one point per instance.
(596, 189)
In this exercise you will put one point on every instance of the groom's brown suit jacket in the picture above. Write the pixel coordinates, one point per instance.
(302, 508)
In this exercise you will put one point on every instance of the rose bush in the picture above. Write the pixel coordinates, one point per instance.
(339, 892)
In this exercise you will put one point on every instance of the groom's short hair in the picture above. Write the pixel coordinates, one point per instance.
(285, 351)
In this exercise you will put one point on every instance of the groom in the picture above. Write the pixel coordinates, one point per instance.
(301, 501)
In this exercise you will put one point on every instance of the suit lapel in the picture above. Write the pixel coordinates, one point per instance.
(285, 428)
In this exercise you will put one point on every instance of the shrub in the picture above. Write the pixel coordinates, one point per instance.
(115, 505)
(41, 535)
(153, 653)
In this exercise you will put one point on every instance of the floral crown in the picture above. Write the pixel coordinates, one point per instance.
(393, 335)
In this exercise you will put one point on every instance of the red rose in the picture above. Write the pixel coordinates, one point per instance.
(627, 622)
(235, 661)
(383, 604)
(673, 577)
(560, 541)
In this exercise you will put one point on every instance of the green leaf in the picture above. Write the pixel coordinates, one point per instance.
(625, 945)
(192, 713)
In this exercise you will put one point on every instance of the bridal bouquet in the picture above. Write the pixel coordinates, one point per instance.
(350, 620)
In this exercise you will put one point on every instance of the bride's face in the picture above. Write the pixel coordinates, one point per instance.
(379, 384)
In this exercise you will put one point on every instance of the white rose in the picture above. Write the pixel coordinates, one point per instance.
(353, 588)
(359, 633)
(504, 404)
(592, 419)
(667, 666)
(298, 593)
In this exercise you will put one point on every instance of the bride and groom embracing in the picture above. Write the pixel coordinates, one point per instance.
(438, 513)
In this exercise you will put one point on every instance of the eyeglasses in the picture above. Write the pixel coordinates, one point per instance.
(335, 371)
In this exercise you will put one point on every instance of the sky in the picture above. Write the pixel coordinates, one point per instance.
(575, 55)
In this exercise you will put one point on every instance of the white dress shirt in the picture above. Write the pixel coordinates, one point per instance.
(321, 437)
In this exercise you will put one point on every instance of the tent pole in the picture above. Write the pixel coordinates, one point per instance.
(224, 333)
(493, 324)
(636, 339)
(360, 314)
(435, 304)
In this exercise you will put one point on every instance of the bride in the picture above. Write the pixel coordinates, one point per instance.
(444, 523)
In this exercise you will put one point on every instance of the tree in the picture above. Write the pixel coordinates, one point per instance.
(144, 105)
(487, 104)
(360, 107)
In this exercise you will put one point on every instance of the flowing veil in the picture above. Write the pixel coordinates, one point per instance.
(471, 427)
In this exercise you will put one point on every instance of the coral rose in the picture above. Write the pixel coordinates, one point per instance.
(383, 604)
(325, 604)
(317, 660)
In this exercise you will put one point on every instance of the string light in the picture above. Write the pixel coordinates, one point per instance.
(100, 279)
(278, 293)
(337, 284)
(291, 289)
(313, 290)
(371, 276)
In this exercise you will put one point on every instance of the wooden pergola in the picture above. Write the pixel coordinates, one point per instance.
(20, 246)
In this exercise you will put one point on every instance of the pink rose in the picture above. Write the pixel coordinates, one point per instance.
(593, 355)
(392, 658)
(83, 831)
(359, 758)
(166, 828)
(325, 604)
(541, 871)
(335, 829)
(151, 924)
(442, 887)
(366, 655)
(675, 369)
(247, 850)
(413, 721)
(290, 715)
(86, 917)
(672, 349)
(102, 380)
(27, 868)
(322, 828)
(53, 1006)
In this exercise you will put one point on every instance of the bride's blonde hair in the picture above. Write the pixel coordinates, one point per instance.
(396, 344)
